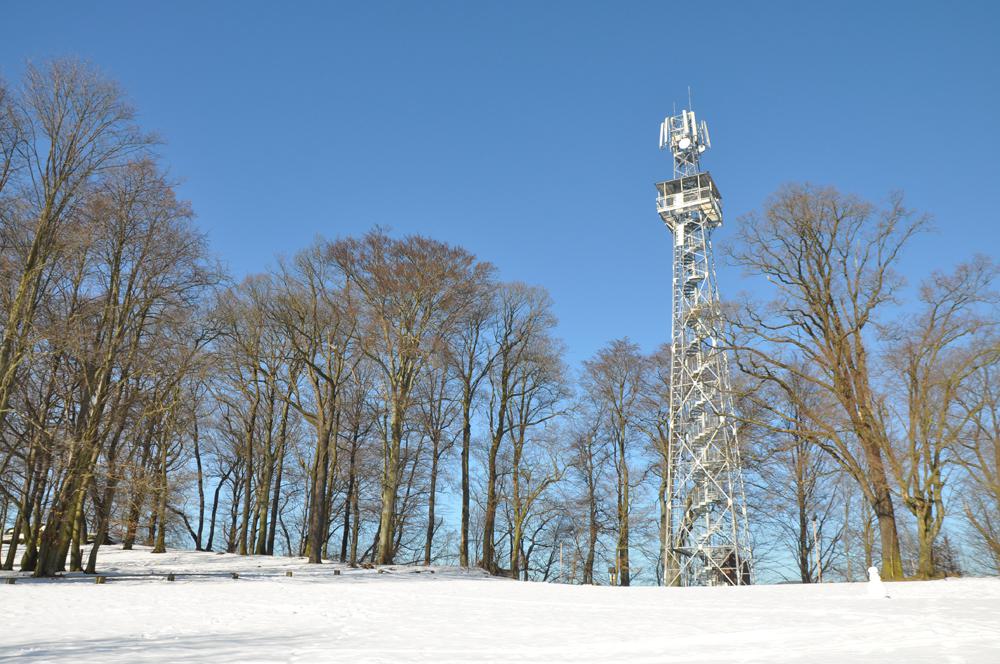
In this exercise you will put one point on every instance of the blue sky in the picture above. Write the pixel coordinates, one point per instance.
(527, 132)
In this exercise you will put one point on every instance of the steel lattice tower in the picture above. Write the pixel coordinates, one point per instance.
(706, 538)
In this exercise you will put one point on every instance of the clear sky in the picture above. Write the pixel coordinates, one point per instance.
(527, 132)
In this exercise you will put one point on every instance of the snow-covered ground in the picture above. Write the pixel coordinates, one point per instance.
(409, 614)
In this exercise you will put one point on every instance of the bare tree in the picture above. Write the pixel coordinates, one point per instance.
(66, 127)
(798, 501)
(472, 355)
(413, 293)
(439, 408)
(243, 322)
(360, 412)
(618, 378)
(535, 463)
(935, 354)
(587, 466)
(316, 312)
(980, 459)
(829, 257)
(10, 136)
(655, 422)
(148, 269)
(523, 317)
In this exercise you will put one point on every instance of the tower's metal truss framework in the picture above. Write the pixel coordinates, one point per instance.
(706, 537)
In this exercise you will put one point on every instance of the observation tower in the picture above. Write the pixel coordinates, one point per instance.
(706, 539)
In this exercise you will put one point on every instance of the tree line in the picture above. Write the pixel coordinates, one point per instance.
(878, 413)
(379, 400)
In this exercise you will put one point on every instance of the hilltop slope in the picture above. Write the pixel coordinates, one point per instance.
(408, 614)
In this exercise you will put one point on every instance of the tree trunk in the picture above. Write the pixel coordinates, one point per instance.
(892, 563)
(516, 552)
(927, 533)
(25, 506)
(103, 516)
(282, 441)
(200, 478)
(489, 518)
(248, 477)
(430, 502)
(161, 504)
(463, 552)
(137, 496)
(79, 539)
(349, 498)
(592, 529)
(215, 510)
(317, 501)
(624, 573)
(390, 487)
(356, 514)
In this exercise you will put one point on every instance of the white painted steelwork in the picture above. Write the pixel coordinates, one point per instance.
(706, 537)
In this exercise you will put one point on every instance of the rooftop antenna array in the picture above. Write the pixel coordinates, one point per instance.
(705, 539)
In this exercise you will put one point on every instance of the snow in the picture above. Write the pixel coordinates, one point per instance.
(409, 614)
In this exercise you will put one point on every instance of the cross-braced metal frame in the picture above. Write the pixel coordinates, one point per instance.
(706, 537)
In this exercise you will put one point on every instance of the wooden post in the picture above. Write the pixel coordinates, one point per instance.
(236, 575)
(336, 572)
(170, 577)
(288, 573)
(100, 579)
